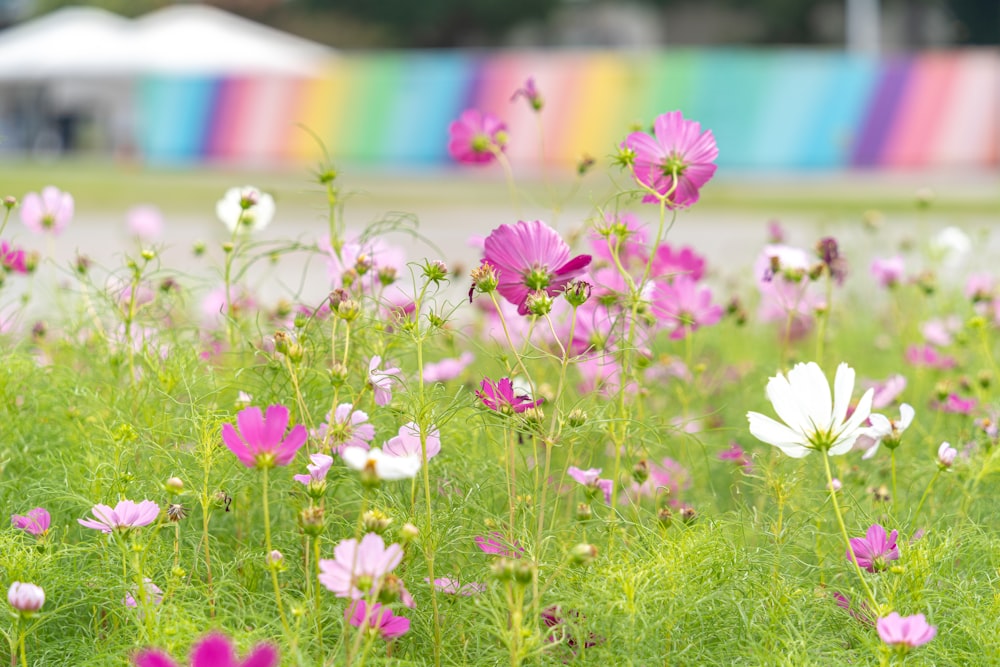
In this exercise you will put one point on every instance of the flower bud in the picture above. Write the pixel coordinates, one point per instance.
(408, 533)
(26, 599)
(584, 164)
(484, 278)
(198, 248)
(275, 559)
(338, 374)
(387, 275)
(664, 516)
(286, 344)
(539, 303)
(583, 512)
(946, 455)
(174, 485)
(83, 264)
(583, 554)
(376, 521)
(9, 202)
(148, 254)
(577, 293)
(391, 590)
(435, 270)
(576, 418)
(640, 471)
(503, 569)
(688, 514)
(311, 520)
(524, 571)
(227, 247)
(348, 310)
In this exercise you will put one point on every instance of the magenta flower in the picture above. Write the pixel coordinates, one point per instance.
(590, 478)
(888, 272)
(561, 625)
(381, 380)
(530, 93)
(12, 259)
(928, 356)
(318, 467)
(358, 569)
(668, 263)
(737, 455)
(125, 516)
(875, 550)
(905, 631)
(956, 404)
(476, 137)
(260, 441)
(529, 257)
(676, 163)
(36, 522)
(496, 544)
(349, 428)
(49, 212)
(447, 369)
(501, 397)
(378, 618)
(684, 306)
(212, 651)
(454, 587)
(407, 443)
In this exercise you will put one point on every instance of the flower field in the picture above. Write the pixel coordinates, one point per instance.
(595, 445)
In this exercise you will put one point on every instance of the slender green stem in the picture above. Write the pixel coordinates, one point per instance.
(305, 416)
(843, 531)
(509, 176)
(6, 217)
(271, 566)
(316, 593)
(923, 498)
(892, 465)
(22, 631)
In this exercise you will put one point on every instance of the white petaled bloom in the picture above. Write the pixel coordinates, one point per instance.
(888, 430)
(813, 419)
(946, 455)
(245, 209)
(381, 466)
(25, 598)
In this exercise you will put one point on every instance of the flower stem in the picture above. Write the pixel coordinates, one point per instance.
(843, 530)
(22, 631)
(923, 498)
(271, 566)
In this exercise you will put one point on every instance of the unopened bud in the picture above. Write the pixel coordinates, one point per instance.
(524, 571)
(83, 264)
(584, 512)
(584, 164)
(174, 485)
(387, 275)
(583, 554)
(503, 569)
(198, 248)
(640, 471)
(376, 521)
(688, 515)
(576, 418)
(336, 297)
(664, 516)
(148, 254)
(348, 310)
(363, 264)
(338, 374)
(577, 293)
(275, 559)
(539, 303)
(9, 202)
(286, 344)
(408, 533)
(984, 378)
(484, 278)
(435, 270)
(392, 589)
(311, 520)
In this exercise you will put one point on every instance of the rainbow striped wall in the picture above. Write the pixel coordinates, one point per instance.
(768, 109)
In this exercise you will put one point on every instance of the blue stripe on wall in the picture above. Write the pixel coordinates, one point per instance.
(176, 114)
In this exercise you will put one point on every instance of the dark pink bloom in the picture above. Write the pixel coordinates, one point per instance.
(909, 631)
(214, 650)
(125, 515)
(407, 443)
(36, 522)
(49, 212)
(447, 369)
(497, 544)
(453, 587)
(501, 397)
(260, 441)
(684, 306)
(679, 150)
(530, 93)
(591, 479)
(476, 137)
(349, 428)
(888, 272)
(958, 405)
(736, 454)
(13, 259)
(863, 614)
(356, 564)
(528, 257)
(378, 618)
(876, 549)
(928, 356)
(669, 262)
(381, 380)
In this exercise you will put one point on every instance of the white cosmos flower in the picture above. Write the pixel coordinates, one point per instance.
(813, 420)
(890, 430)
(247, 207)
(383, 466)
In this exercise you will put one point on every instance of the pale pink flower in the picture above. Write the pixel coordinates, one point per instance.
(888, 272)
(941, 332)
(529, 257)
(447, 369)
(407, 443)
(381, 380)
(887, 391)
(359, 568)
(260, 441)
(679, 152)
(214, 650)
(49, 212)
(591, 479)
(787, 289)
(476, 137)
(349, 428)
(684, 306)
(125, 516)
(979, 287)
(318, 468)
(145, 222)
(498, 545)
(152, 592)
(454, 587)
(36, 522)
(378, 618)
(25, 598)
(946, 455)
(907, 631)
(874, 551)
(928, 356)
(670, 262)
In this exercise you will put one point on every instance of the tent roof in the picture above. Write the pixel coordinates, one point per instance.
(76, 41)
(197, 39)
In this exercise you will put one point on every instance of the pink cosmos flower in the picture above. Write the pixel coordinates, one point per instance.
(349, 428)
(684, 306)
(475, 137)
(501, 397)
(125, 516)
(49, 212)
(590, 478)
(497, 544)
(362, 264)
(941, 332)
(737, 455)
(381, 380)
(669, 262)
(679, 151)
(669, 477)
(908, 631)
(214, 650)
(318, 467)
(407, 443)
(956, 404)
(887, 391)
(629, 234)
(888, 272)
(530, 93)
(153, 594)
(144, 222)
(453, 587)
(356, 566)
(25, 598)
(928, 356)
(875, 550)
(528, 257)
(862, 615)
(378, 618)
(260, 441)
(13, 260)
(447, 369)
(946, 455)
(36, 522)
(979, 287)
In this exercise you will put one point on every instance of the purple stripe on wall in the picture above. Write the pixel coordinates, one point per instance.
(882, 113)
